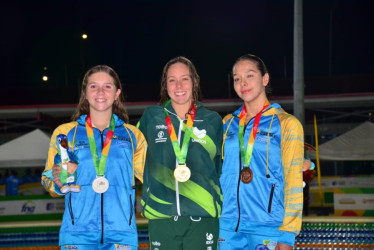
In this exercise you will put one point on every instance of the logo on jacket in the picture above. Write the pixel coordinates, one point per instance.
(264, 136)
(230, 135)
(156, 243)
(261, 247)
(81, 145)
(267, 245)
(70, 247)
(199, 133)
(122, 141)
(160, 137)
(162, 126)
(122, 247)
(209, 238)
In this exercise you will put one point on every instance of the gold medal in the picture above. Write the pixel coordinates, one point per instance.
(100, 184)
(246, 175)
(182, 173)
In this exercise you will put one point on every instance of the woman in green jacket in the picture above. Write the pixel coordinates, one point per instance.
(181, 193)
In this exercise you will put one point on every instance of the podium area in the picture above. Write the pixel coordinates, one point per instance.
(32, 222)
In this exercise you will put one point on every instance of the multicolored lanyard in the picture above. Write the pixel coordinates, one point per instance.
(247, 155)
(99, 162)
(181, 154)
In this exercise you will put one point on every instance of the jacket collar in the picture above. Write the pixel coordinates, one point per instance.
(171, 110)
(273, 105)
(82, 120)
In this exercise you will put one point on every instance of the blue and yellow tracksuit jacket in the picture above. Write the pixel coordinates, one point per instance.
(90, 217)
(272, 203)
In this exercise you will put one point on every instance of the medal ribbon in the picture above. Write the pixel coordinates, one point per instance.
(247, 155)
(99, 163)
(181, 154)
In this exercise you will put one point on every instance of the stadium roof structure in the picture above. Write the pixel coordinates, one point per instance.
(351, 109)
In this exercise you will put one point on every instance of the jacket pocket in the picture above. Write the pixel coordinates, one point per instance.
(131, 210)
(271, 197)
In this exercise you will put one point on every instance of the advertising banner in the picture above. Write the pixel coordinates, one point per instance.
(31, 207)
(354, 201)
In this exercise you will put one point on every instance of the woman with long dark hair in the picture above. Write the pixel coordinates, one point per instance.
(181, 191)
(263, 155)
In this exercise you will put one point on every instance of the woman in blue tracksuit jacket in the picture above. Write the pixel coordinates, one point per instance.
(262, 167)
(106, 153)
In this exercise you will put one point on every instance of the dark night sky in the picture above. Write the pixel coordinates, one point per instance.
(137, 38)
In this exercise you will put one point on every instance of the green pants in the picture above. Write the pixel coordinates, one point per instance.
(183, 233)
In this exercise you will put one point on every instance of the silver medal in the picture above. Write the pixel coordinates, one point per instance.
(100, 184)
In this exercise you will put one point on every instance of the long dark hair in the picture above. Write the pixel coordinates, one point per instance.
(118, 107)
(196, 92)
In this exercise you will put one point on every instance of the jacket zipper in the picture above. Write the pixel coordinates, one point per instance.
(102, 218)
(237, 193)
(102, 200)
(238, 187)
(176, 182)
(271, 197)
(71, 210)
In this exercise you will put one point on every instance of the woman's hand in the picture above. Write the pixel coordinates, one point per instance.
(282, 246)
(307, 164)
(55, 171)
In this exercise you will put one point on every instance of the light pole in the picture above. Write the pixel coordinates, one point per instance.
(298, 69)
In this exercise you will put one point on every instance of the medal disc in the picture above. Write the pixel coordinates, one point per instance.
(100, 184)
(182, 173)
(246, 175)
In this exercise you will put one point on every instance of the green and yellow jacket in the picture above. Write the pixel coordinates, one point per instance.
(163, 196)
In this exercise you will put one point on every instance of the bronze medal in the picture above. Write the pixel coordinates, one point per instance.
(246, 175)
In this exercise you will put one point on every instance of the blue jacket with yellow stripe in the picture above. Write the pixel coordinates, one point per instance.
(274, 198)
(90, 217)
